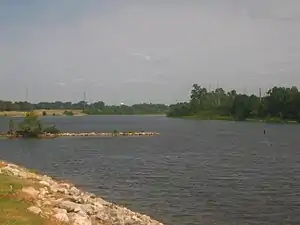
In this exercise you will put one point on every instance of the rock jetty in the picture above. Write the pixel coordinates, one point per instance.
(67, 204)
(86, 134)
(102, 134)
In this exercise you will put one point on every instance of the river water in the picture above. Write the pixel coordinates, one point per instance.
(195, 172)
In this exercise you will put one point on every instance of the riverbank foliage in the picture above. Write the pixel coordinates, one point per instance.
(30, 127)
(13, 210)
(14, 205)
(280, 104)
(96, 108)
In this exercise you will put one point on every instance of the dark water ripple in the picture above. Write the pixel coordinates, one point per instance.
(194, 173)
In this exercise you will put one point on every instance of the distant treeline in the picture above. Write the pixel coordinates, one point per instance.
(279, 104)
(93, 108)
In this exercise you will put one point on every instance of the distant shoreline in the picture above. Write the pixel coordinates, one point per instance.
(228, 118)
(61, 112)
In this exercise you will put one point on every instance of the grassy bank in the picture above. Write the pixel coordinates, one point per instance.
(13, 206)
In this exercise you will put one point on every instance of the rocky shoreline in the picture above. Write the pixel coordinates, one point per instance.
(67, 204)
(85, 134)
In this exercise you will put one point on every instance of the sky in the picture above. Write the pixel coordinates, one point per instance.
(145, 50)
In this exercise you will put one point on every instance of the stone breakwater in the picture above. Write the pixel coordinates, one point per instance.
(86, 134)
(99, 134)
(67, 204)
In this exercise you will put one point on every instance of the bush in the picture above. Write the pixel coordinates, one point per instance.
(30, 127)
(68, 113)
(51, 130)
(274, 120)
(115, 132)
(44, 113)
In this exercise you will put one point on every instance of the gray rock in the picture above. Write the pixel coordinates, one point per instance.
(43, 192)
(89, 209)
(46, 202)
(30, 191)
(62, 191)
(100, 201)
(53, 189)
(34, 209)
(74, 191)
(67, 205)
(44, 183)
(76, 199)
(103, 216)
(98, 205)
(76, 219)
(62, 217)
(58, 210)
(64, 185)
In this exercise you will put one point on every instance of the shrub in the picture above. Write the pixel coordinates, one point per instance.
(115, 132)
(44, 113)
(51, 130)
(31, 127)
(68, 113)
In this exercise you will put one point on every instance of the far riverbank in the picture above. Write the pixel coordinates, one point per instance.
(273, 120)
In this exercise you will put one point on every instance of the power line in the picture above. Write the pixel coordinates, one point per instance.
(26, 94)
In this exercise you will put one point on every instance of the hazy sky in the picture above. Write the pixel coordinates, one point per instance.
(145, 50)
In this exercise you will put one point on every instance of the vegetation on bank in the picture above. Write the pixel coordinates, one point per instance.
(69, 108)
(13, 210)
(13, 206)
(30, 127)
(279, 105)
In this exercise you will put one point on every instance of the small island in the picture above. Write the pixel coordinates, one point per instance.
(31, 127)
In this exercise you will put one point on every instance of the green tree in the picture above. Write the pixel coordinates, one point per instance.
(11, 127)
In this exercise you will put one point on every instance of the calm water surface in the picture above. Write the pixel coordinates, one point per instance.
(195, 172)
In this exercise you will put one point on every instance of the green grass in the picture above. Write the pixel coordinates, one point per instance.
(13, 208)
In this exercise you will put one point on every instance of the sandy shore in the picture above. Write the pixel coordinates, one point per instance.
(66, 204)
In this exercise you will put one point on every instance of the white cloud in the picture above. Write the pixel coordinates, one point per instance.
(79, 79)
(61, 84)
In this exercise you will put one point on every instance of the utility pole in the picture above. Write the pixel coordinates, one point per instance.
(260, 94)
(218, 95)
(26, 94)
(84, 100)
(84, 96)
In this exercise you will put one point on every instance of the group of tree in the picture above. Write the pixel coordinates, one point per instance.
(279, 103)
(93, 108)
(30, 127)
(136, 109)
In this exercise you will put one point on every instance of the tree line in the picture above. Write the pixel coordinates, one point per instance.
(93, 108)
(279, 104)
